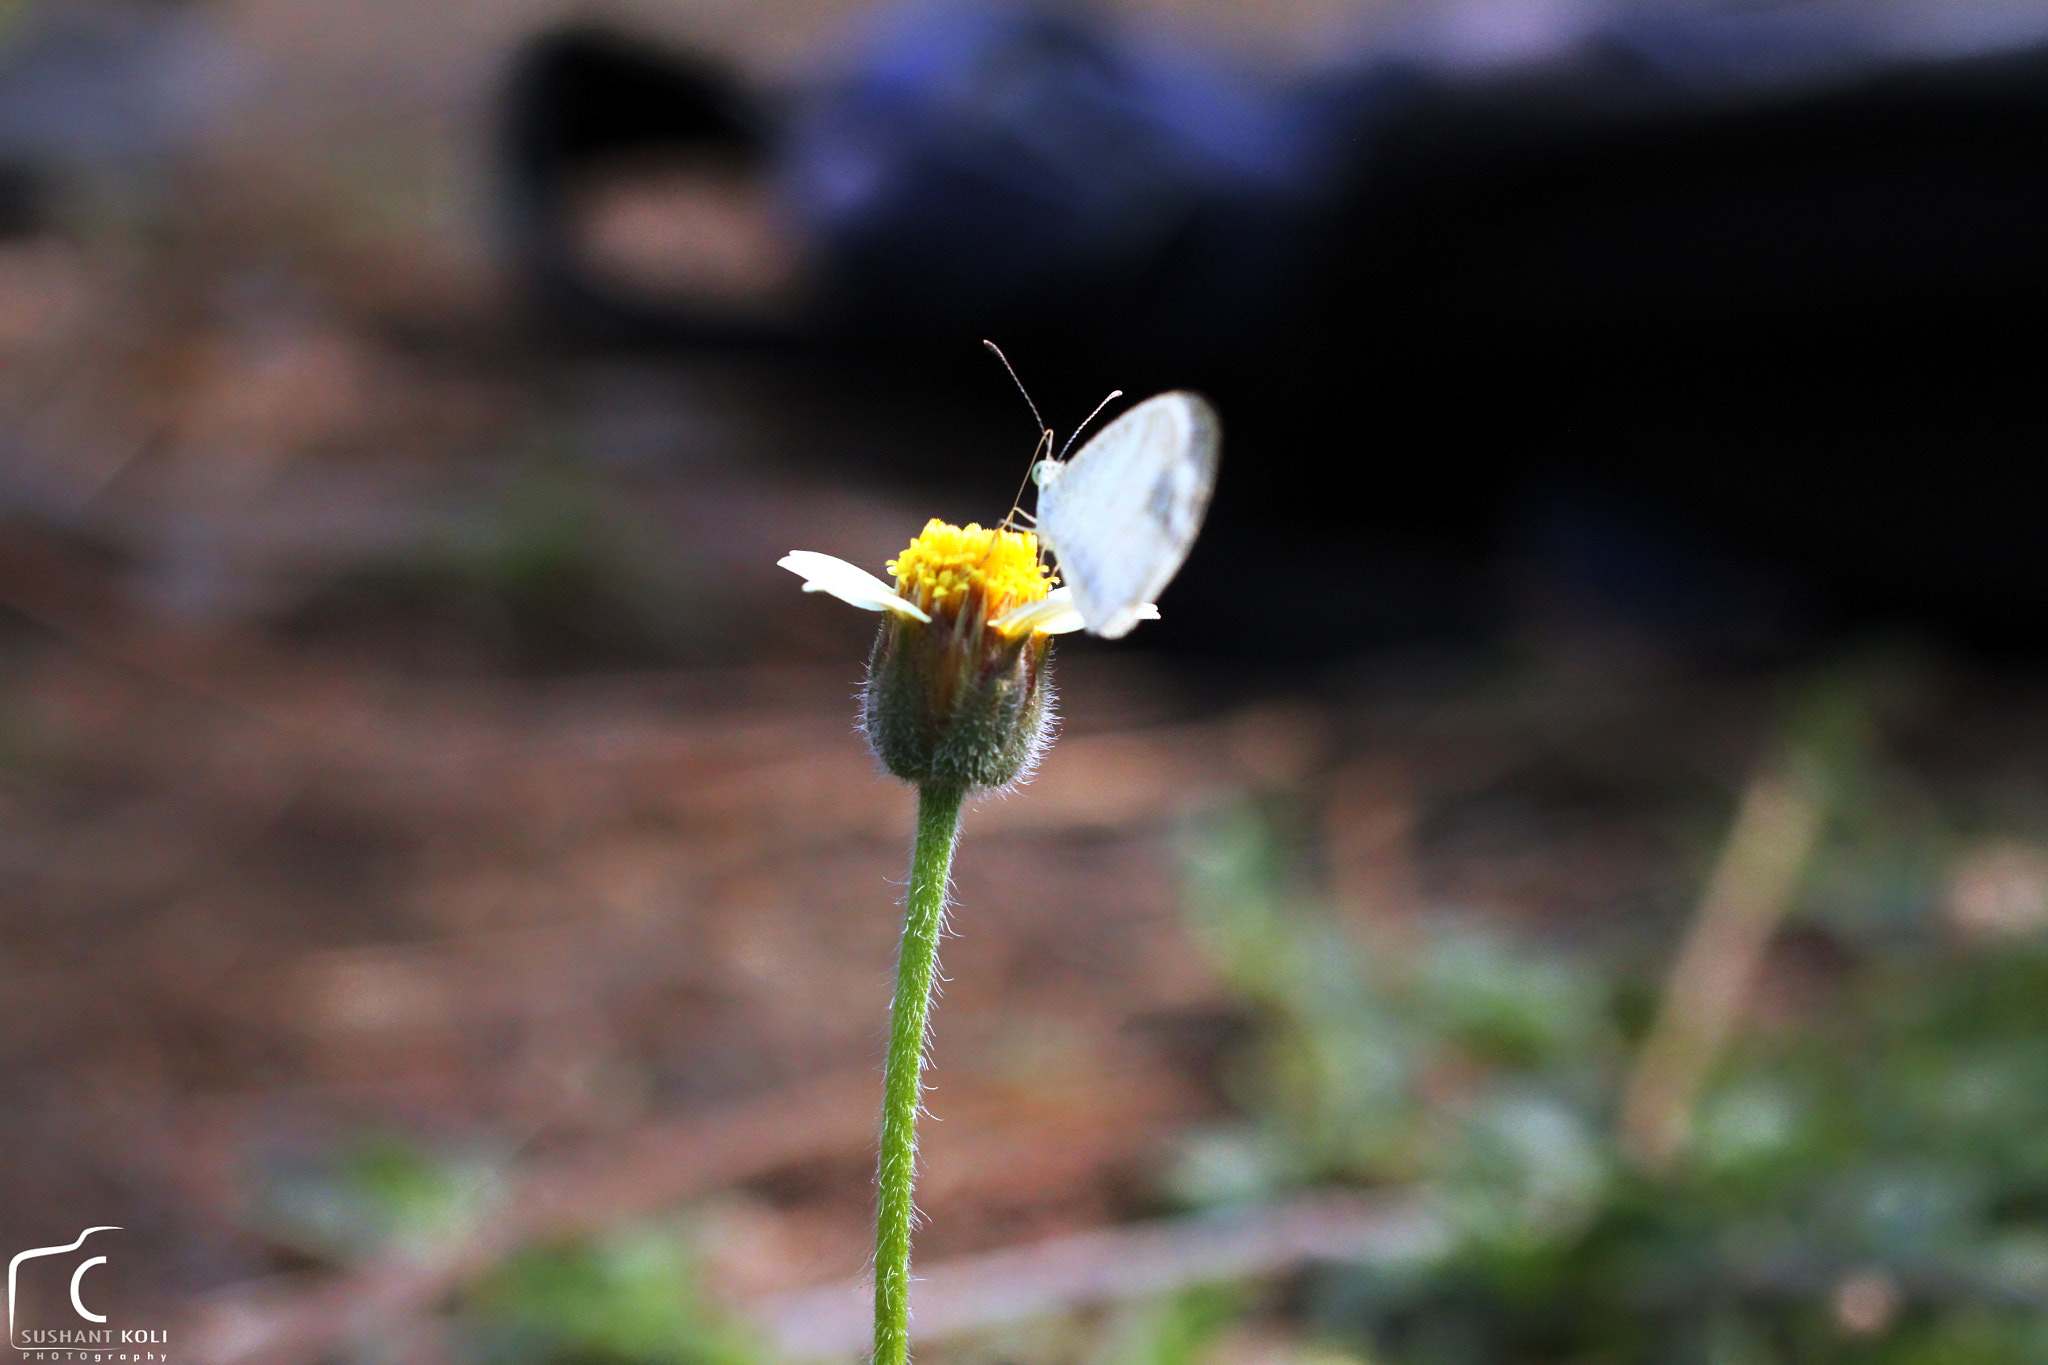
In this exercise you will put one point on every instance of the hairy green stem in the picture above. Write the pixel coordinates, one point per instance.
(924, 918)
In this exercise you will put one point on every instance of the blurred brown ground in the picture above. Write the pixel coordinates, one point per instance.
(290, 855)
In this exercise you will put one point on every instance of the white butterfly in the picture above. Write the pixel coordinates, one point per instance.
(1122, 515)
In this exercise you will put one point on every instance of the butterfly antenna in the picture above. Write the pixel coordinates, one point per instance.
(1044, 436)
(1019, 383)
(1114, 394)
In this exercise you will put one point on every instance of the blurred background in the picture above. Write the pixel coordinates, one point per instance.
(1565, 882)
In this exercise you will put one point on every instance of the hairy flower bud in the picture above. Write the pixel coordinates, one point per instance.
(961, 700)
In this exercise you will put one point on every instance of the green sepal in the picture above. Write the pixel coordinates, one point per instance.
(955, 705)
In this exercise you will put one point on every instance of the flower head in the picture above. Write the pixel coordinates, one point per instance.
(949, 570)
(956, 690)
(937, 563)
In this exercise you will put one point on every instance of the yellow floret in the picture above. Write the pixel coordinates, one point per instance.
(947, 563)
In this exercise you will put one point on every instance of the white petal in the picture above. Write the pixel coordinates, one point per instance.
(1054, 614)
(849, 583)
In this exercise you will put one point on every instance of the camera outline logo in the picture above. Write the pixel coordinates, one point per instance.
(77, 1282)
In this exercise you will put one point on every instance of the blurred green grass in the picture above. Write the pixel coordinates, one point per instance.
(1867, 1175)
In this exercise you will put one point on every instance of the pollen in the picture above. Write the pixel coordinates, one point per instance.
(947, 565)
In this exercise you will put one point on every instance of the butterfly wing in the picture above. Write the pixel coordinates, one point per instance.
(1122, 515)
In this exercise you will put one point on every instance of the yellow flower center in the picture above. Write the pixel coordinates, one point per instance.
(947, 564)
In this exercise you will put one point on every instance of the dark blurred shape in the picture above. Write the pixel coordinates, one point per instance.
(21, 202)
(1771, 273)
(1012, 170)
(1026, 172)
(586, 105)
(1803, 316)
